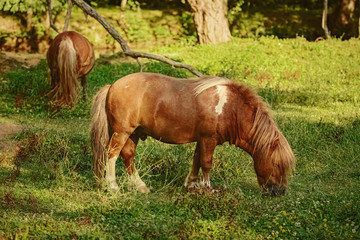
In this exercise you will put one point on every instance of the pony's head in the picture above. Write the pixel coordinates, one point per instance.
(273, 158)
(272, 166)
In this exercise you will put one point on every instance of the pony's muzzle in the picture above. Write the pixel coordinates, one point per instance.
(274, 190)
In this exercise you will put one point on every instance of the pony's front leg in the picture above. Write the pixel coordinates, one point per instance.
(207, 147)
(191, 179)
(128, 153)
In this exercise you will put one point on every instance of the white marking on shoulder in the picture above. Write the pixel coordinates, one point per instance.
(222, 94)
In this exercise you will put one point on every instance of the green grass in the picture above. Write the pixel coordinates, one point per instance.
(313, 89)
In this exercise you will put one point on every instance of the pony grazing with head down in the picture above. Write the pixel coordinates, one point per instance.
(208, 111)
(70, 56)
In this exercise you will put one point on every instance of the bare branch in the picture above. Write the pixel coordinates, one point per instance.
(89, 10)
(68, 15)
(165, 60)
(50, 17)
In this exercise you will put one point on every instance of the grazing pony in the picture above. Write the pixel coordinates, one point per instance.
(69, 57)
(208, 110)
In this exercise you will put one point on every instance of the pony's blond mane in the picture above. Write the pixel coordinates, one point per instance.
(266, 136)
(207, 82)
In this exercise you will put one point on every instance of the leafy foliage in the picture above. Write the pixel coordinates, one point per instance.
(22, 6)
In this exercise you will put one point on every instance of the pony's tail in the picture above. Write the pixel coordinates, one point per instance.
(100, 129)
(66, 89)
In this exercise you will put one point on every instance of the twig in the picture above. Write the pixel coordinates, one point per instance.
(140, 64)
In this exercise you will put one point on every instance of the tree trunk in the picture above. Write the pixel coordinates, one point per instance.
(123, 5)
(29, 15)
(210, 19)
(342, 19)
(324, 20)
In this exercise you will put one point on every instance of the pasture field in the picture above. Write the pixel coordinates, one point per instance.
(48, 190)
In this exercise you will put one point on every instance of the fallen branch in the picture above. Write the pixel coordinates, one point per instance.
(92, 12)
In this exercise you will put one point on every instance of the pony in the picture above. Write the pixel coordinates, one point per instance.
(206, 110)
(70, 56)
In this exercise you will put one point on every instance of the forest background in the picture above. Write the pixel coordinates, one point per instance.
(148, 23)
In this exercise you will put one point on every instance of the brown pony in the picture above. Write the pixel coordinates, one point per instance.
(69, 57)
(208, 110)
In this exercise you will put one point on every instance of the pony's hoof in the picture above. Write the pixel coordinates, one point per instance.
(113, 187)
(143, 189)
(112, 190)
(192, 186)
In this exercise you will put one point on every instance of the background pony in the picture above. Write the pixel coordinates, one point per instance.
(208, 110)
(69, 57)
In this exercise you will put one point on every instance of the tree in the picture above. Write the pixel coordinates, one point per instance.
(342, 21)
(210, 17)
(123, 5)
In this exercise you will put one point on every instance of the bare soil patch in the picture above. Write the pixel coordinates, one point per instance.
(7, 145)
(9, 130)
(12, 60)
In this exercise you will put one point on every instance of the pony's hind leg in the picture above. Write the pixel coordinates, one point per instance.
(114, 147)
(128, 153)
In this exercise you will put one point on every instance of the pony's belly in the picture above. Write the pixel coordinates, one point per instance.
(172, 140)
(171, 135)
